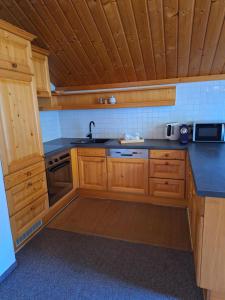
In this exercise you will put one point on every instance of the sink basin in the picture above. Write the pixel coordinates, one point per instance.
(88, 141)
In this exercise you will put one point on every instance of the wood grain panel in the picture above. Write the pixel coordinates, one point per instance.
(157, 28)
(128, 175)
(167, 154)
(93, 43)
(215, 23)
(166, 188)
(186, 13)
(163, 168)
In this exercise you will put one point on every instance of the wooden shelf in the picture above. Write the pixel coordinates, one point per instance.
(107, 106)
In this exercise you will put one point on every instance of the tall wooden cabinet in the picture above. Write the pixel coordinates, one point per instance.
(41, 72)
(21, 149)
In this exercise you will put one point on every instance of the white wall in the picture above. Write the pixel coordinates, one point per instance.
(50, 125)
(7, 257)
(200, 101)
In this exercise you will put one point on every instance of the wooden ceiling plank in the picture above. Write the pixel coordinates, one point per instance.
(95, 37)
(114, 21)
(219, 59)
(75, 22)
(70, 55)
(130, 29)
(140, 9)
(201, 15)
(155, 9)
(100, 19)
(186, 15)
(215, 23)
(57, 14)
(12, 6)
(170, 8)
(7, 15)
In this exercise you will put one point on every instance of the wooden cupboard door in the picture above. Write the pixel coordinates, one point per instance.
(41, 74)
(128, 175)
(166, 188)
(92, 173)
(174, 169)
(15, 53)
(21, 143)
(26, 193)
(26, 217)
(167, 154)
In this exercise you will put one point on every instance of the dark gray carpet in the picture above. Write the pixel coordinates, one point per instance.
(64, 265)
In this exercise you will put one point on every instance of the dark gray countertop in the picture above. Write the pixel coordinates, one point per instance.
(207, 159)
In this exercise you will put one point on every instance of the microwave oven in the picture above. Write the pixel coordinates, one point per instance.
(208, 132)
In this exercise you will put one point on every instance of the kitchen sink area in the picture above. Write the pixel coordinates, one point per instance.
(89, 141)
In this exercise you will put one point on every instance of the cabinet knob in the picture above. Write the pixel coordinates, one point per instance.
(14, 65)
(29, 173)
(166, 182)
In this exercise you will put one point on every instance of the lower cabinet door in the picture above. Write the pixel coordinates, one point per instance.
(26, 192)
(128, 175)
(92, 173)
(25, 218)
(166, 188)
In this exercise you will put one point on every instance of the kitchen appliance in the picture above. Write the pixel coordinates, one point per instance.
(172, 131)
(59, 175)
(128, 153)
(184, 133)
(208, 132)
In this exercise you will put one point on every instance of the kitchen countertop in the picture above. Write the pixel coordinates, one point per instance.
(207, 159)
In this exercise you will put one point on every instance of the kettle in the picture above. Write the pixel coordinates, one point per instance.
(172, 131)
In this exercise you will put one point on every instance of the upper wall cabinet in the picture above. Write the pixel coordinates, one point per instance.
(15, 50)
(41, 72)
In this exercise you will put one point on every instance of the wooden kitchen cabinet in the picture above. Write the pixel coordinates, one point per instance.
(167, 154)
(21, 143)
(129, 175)
(92, 172)
(166, 188)
(163, 168)
(15, 49)
(41, 72)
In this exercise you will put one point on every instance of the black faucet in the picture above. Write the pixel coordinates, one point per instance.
(89, 135)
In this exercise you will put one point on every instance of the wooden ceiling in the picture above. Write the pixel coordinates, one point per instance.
(113, 41)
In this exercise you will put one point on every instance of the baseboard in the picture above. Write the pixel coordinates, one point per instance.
(8, 272)
(132, 198)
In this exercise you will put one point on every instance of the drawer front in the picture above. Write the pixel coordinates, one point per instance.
(15, 53)
(166, 188)
(167, 154)
(23, 175)
(174, 169)
(28, 216)
(26, 193)
(91, 152)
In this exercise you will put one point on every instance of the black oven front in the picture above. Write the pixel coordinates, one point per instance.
(59, 176)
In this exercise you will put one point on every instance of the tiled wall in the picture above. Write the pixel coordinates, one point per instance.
(50, 125)
(202, 101)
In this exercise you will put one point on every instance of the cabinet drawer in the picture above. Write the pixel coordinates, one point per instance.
(26, 193)
(25, 218)
(174, 169)
(167, 154)
(15, 53)
(166, 188)
(91, 152)
(23, 175)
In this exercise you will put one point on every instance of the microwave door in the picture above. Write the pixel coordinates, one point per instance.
(209, 132)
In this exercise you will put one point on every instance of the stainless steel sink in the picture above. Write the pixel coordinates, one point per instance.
(90, 141)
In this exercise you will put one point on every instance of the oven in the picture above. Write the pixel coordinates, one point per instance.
(59, 175)
(208, 132)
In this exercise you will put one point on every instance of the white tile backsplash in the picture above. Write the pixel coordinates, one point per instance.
(200, 101)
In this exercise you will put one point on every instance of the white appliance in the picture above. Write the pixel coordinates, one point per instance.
(172, 131)
(7, 256)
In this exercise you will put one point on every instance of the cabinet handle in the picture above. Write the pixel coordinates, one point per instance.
(14, 65)
(29, 173)
(166, 182)
(166, 155)
(29, 184)
(166, 163)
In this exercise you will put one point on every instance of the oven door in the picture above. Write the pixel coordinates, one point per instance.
(208, 132)
(60, 181)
